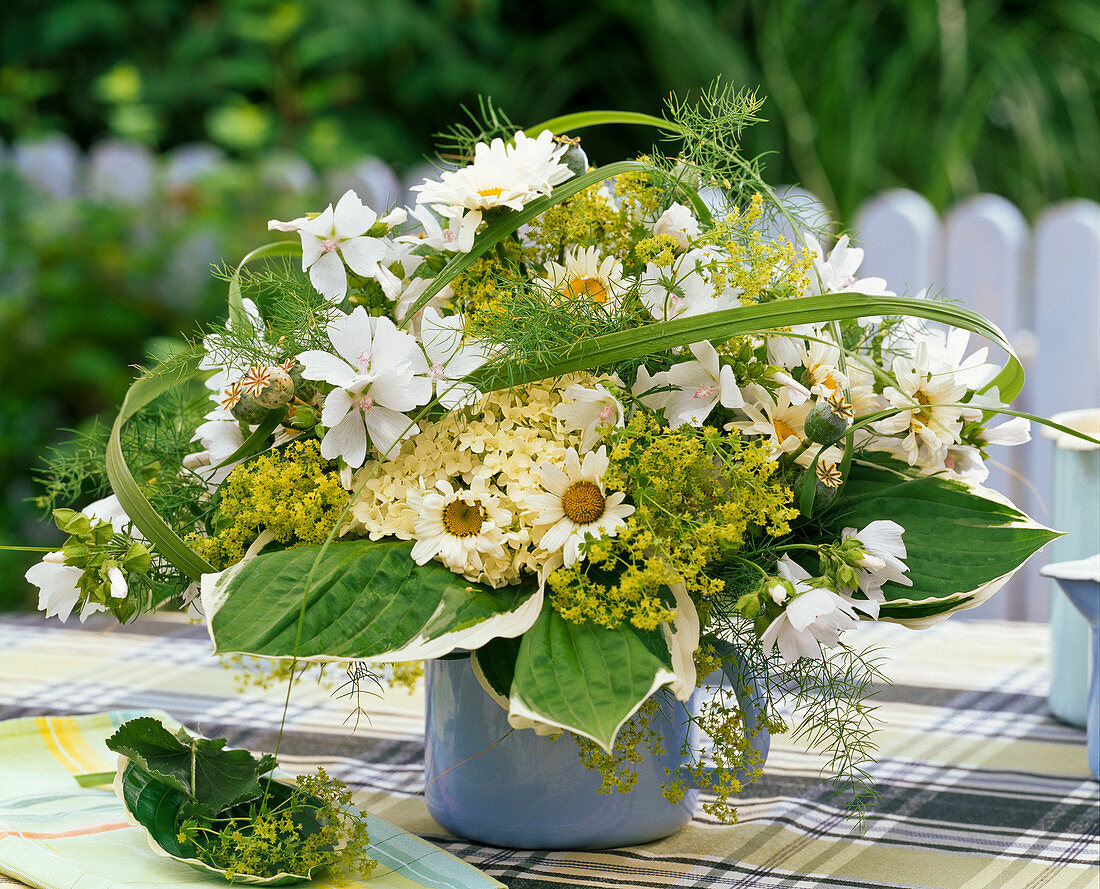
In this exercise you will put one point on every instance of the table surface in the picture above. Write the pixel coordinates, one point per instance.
(980, 786)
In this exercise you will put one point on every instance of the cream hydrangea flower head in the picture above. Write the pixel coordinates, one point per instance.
(575, 505)
(586, 276)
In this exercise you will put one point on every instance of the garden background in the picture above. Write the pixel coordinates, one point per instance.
(288, 98)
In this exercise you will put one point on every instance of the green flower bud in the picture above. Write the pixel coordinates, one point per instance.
(303, 389)
(301, 416)
(823, 493)
(822, 425)
(248, 410)
(574, 157)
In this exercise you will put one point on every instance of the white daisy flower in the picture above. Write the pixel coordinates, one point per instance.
(925, 393)
(449, 358)
(679, 222)
(575, 505)
(339, 236)
(883, 552)
(813, 616)
(778, 419)
(501, 176)
(589, 411)
(585, 276)
(461, 527)
(379, 375)
(700, 386)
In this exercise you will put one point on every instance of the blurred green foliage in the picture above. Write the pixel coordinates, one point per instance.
(948, 97)
(87, 291)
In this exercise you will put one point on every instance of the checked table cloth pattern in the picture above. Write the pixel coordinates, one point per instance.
(981, 787)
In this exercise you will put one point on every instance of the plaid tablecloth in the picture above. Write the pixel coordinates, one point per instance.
(981, 787)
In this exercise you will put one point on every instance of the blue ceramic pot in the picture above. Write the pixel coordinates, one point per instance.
(531, 792)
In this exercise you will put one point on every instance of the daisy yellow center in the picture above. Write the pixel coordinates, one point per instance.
(490, 192)
(783, 430)
(589, 288)
(463, 519)
(583, 502)
(924, 415)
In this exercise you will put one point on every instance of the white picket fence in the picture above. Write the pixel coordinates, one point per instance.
(1040, 283)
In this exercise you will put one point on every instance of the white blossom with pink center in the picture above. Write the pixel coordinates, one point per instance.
(590, 411)
(338, 236)
(698, 387)
(450, 357)
(380, 374)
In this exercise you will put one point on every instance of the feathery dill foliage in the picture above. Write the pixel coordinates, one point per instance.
(456, 144)
(830, 699)
(75, 470)
(711, 128)
(295, 316)
(530, 325)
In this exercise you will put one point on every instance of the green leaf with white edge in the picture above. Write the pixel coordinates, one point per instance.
(586, 678)
(499, 229)
(495, 665)
(357, 600)
(962, 542)
(200, 767)
(652, 339)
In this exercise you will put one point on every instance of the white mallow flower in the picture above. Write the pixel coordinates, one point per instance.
(590, 411)
(460, 527)
(220, 437)
(507, 176)
(442, 236)
(837, 272)
(700, 386)
(339, 236)
(58, 582)
(685, 288)
(379, 375)
(883, 552)
(575, 505)
(813, 616)
(679, 222)
(450, 359)
(585, 275)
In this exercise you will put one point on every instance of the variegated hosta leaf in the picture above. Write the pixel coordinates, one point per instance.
(585, 678)
(367, 600)
(963, 542)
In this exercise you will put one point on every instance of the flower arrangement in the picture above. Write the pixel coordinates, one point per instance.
(589, 425)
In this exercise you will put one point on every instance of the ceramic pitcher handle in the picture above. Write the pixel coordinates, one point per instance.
(738, 677)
